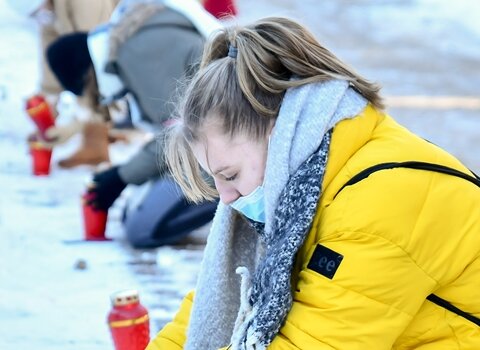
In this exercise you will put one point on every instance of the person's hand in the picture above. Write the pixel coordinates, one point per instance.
(107, 186)
(59, 134)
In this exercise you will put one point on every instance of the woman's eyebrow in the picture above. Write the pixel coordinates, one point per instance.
(219, 170)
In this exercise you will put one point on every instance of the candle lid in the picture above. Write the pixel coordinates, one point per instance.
(124, 297)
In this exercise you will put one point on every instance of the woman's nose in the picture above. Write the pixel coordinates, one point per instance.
(227, 193)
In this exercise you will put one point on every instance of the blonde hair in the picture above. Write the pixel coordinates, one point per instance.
(245, 92)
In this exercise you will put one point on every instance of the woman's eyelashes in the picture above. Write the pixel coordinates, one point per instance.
(231, 178)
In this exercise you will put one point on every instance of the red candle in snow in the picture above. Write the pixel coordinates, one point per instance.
(41, 156)
(94, 220)
(128, 321)
(41, 114)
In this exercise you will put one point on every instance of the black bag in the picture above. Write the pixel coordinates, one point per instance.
(164, 216)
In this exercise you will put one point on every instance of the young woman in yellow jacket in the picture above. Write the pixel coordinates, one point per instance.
(337, 227)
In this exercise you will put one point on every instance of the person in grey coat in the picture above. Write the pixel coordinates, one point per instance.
(141, 55)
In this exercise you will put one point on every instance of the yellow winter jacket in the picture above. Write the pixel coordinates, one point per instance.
(403, 235)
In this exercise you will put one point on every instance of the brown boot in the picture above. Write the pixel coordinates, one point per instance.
(94, 148)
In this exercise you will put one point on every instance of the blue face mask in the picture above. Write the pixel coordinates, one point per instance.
(252, 205)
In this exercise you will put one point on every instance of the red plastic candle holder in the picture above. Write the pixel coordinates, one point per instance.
(41, 156)
(128, 321)
(94, 220)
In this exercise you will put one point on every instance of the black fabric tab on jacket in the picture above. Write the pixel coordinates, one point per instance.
(325, 261)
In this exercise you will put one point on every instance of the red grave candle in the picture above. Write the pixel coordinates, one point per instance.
(128, 321)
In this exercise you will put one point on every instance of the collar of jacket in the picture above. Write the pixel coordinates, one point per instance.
(348, 137)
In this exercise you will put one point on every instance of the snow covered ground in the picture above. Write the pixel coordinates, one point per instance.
(412, 47)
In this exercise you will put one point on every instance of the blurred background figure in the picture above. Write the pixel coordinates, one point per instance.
(139, 56)
(57, 18)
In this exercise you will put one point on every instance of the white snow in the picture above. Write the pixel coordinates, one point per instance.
(46, 302)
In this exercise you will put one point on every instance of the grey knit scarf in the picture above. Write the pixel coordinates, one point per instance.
(270, 298)
(249, 314)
